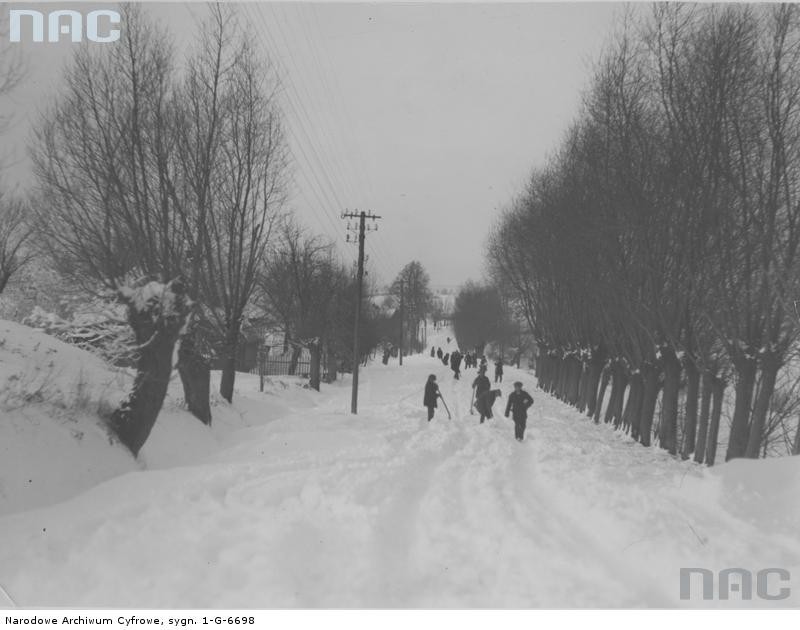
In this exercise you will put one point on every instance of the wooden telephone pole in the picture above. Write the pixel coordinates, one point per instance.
(361, 228)
(402, 316)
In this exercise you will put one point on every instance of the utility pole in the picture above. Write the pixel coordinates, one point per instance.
(402, 316)
(361, 228)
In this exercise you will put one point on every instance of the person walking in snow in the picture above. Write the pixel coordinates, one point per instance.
(484, 402)
(431, 396)
(519, 401)
(498, 371)
(446, 359)
(481, 385)
(433, 352)
(455, 364)
(439, 353)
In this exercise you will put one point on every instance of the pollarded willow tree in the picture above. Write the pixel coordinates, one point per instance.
(162, 188)
(657, 250)
(105, 170)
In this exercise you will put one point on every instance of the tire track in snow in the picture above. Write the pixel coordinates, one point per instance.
(600, 565)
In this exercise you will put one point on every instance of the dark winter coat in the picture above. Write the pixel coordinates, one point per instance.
(518, 404)
(446, 359)
(481, 385)
(455, 361)
(485, 401)
(431, 395)
(439, 353)
(498, 368)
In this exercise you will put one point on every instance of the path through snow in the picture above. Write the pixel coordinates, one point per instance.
(324, 509)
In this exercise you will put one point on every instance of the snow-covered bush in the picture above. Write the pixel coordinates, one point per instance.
(99, 327)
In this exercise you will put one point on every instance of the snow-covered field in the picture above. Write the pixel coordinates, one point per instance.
(291, 501)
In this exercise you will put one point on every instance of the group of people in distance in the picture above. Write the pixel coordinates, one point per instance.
(484, 397)
(470, 360)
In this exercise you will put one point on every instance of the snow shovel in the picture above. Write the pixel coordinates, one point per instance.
(449, 417)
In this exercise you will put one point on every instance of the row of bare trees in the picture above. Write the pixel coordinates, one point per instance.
(311, 296)
(655, 256)
(163, 183)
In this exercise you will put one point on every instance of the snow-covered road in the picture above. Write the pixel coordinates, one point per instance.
(324, 509)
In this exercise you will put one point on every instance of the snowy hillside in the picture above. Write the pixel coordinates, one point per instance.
(53, 443)
(291, 501)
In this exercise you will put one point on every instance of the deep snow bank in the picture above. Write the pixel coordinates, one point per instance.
(53, 440)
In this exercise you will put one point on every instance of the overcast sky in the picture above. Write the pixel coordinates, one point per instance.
(430, 115)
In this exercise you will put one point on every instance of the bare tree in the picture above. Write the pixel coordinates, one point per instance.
(417, 301)
(15, 232)
(15, 228)
(479, 317)
(12, 71)
(104, 159)
(248, 193)
(302, 285)
(658, 246)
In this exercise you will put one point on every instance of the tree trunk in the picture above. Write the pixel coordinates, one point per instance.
(229, 361)
(316, 362)
(195, 373)
(537, 368)
(616, 382)
(717, 390)
(796, 445)
(331, 364)
(296, 352)
(630, 417)
(598, 408)
(668, 429)
(561, 387)
(705, 409)
(740, 425)
(595, 371)
(618, 404)
(690, 421)
(649, 398)
(583, 386)
(770, 364)
(156, 334)
(575, 368)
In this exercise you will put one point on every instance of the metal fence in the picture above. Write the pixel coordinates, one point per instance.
(274, 362)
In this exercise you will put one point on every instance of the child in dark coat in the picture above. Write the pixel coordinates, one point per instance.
(484, 403)
(431, 396)
(498, 371)
(519, 401)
